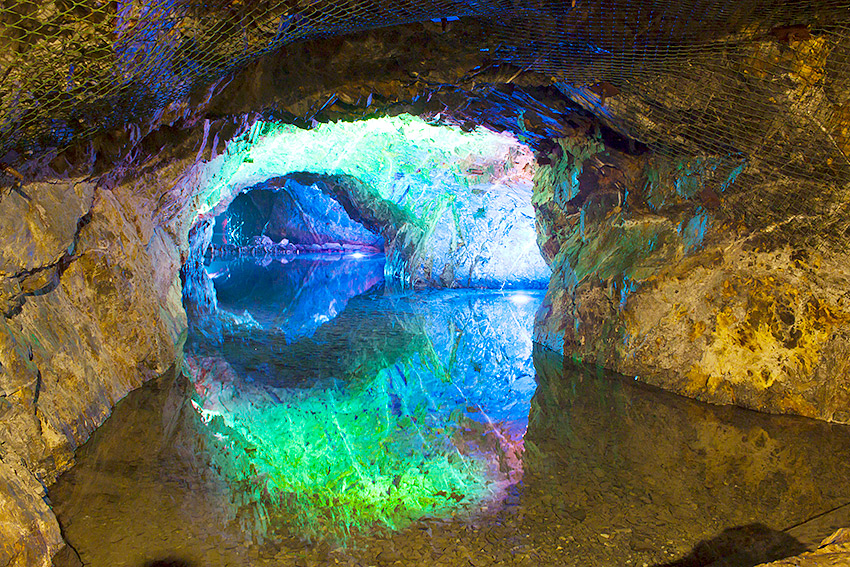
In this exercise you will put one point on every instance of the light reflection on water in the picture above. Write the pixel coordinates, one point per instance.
(397, 406)
(418, 404)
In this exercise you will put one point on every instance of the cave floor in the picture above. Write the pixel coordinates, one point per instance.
(491, 451)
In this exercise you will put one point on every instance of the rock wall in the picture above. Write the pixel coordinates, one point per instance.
(655, 278)
(91, 310)
(452, 206)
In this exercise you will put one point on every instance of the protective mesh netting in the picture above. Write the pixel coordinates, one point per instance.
(763, 87)
(764, 84)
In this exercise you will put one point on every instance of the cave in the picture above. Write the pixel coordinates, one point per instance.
(380, 283)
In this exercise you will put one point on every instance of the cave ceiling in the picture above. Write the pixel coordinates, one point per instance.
(761, 86)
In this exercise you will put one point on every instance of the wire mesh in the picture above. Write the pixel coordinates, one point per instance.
(765, 84)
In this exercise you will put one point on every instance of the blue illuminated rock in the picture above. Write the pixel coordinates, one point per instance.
(453, 207)
(291, 213)
(294, 295)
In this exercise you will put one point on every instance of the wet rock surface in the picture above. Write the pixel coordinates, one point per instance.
(88, 318)
(613, 472)
(91, 311)
(302, 215)
(451, 205)
(29, 532)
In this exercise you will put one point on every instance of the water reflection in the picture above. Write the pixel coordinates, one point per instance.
(407, 413)
(401, 406)
(649, 468)
(293, 295)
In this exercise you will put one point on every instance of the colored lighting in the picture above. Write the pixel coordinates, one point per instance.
(520, 298)
(335, 461)
(407, 159)
(470, 191)
(428, 423)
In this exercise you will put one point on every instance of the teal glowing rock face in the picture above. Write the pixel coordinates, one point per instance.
(425, 416)
(466, 196)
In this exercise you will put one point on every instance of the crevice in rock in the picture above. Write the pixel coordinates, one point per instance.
(37, 392)
(53, 279)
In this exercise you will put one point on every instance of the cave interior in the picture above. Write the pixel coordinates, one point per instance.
(525, 282)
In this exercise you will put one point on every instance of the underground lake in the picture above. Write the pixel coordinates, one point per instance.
(372, 283)
(334, 420)
(357, 390)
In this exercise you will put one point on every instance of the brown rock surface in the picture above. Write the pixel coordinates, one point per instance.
(29, 532)
(92, 310)
(649, 282)
(834, 551)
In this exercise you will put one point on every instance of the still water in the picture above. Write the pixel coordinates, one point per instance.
(321, 419)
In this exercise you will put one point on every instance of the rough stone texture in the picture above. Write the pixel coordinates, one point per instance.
(765, 330)
(301, 214)
(29, 532)
(40, 224)
(834, 551)
(92, 310)
(92, 243)
(652, 280)
(452, 206)
(89, 314)
(719, 279)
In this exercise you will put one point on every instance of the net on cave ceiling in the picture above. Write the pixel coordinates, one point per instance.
(759, 84)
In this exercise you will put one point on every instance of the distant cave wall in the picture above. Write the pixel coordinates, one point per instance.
(291, 211)
(453, 207)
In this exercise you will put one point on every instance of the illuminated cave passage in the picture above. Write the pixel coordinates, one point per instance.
(352, 380)
(453, 207)
(344, 400)
(405, 283)
(292, 214)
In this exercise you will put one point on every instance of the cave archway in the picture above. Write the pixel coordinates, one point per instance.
(293, 214)
(453, 207)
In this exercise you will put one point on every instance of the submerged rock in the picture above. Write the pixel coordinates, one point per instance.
(834, 551)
